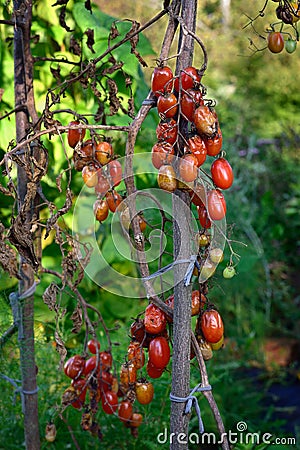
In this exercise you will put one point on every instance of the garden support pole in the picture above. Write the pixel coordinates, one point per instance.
(23, 98)
(182, 294)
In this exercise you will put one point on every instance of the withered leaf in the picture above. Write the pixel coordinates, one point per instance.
(88, 6)
(8, 257)
(50, 296)
(60, 348)
(75, 47)
(66, 207)
(114, 32)
(62, 18)
(90, 39)
(76, 317)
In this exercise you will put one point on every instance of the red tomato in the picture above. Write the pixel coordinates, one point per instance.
(188, 167)
(144, 392)
(136, 420)
(115, 171)
(101, 210)
(213, 145)
(159, 352)
(105, 360)
(114, 199)
(103, 152)
(189, 77)
(105, 380)
(275, 42)
(197, 304)
(197, 146)
(162, 153)
(212, 326)
(75, 135)
(197, 195)
(216, 205)
(167, 131)
(190, 100)
(74, 366)
(109, 402)
(166, 178)
(87, 149)
(161, 80)
(80, 389)
(167, 105)
(155, 319)
(153, 371)
(203, 217)
(125, 410)
(221, 172)
(90, 365)
(205, 121)
(93, 345)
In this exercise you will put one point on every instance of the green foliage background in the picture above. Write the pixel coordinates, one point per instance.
(258, 104)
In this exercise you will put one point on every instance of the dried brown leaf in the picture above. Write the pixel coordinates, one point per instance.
(75, 47)
(76, 317)
(90, 39)
(61, 349)
(50, 296)
(66, 207)
(8, 257)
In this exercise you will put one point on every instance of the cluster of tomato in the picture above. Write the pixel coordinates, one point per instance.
(94, 375)
(100, 169)
(183, 97)
(288, 13)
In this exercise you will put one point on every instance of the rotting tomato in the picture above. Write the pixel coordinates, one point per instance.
(101, 210)
(136, 420)
(161, 80)
(114, 199)
(167, 105)
(137, 330)
(103, 152)
(167, 131)
(212, 326)
(159, 352)
(80, 389)
(197, 195)
(105, 360)
(205, 121)
(197, 146)
(90, 175)
(109, 402)
(144, 391)
(216, 204)
(222, 174)
(162, 153)
(105, 380)
(214, 145)
(102, 185)
(166, 178)
(155, 319)
(136, 354)
(76, 134)
(188, 167)
(275, 42)
(197, 304)
(74, 366)
(189, 77)
(128, 374)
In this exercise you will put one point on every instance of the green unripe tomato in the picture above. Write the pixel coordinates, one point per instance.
(229, 272)
(290, 45)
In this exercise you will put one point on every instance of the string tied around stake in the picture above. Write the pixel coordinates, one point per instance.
(192, 261)
(19, 390)
(191, 400)
(16, 307)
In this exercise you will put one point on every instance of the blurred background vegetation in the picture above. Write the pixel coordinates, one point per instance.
(258, 104)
